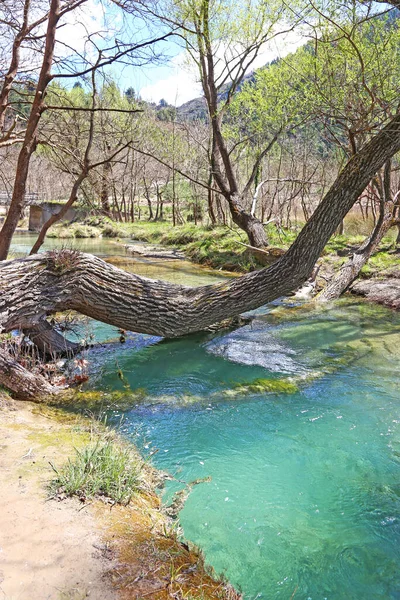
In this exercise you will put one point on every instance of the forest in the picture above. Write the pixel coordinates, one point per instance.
(138, 232)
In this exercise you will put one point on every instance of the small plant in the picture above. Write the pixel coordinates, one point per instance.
(62, 260)
(105, 468)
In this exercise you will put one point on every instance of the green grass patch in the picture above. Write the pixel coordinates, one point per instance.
(381, 261)
(105, 467)
(216, 247)
(75, 230)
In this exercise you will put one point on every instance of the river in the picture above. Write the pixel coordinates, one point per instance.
(294, 417)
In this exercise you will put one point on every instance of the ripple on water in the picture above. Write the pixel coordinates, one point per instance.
(304, 500)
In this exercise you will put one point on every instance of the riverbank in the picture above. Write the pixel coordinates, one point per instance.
(68, 549)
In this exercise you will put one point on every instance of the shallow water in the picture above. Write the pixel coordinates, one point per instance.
(304, 499)
(305, 491)
(175, 271)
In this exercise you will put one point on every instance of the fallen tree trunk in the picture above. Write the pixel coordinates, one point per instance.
(34, 287)
(342, 280)
(23, 384)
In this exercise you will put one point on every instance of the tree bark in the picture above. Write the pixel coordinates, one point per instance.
(350, 271)
(23, 384)
(49, 341)
(30, 140)
(251, 225)
(34, 287)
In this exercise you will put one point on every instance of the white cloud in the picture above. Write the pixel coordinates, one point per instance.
(183, 83)
(77, 25)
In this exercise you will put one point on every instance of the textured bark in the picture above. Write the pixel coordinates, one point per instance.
(351, 269)
(250, 224)
(49, 341)
(30, 140)
(23, 384)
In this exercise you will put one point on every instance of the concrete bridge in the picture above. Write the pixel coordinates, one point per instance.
(30, 198)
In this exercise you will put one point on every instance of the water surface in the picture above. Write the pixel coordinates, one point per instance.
(305, 493)
(304, 497)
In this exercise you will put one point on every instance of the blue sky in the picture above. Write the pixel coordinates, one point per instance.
(175, 79)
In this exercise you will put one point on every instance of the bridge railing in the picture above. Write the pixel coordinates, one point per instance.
(30, 198)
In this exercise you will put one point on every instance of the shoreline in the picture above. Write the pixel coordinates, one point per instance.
(68, 549)
(220, 252)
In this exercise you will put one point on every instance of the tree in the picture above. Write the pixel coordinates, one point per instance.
(83, 161)
(79, 65)
(68, 280)
(224, 40)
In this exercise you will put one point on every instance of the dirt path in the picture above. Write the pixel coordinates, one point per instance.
(48, 550)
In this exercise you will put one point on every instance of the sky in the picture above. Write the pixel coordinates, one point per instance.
(173, 79)
(178, 82)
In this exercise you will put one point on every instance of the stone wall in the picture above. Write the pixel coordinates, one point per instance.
(40, 213)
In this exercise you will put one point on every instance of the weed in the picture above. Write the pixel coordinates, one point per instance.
(62, 260)
(104, 468)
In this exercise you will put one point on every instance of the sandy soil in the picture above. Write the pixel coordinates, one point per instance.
(48, 549)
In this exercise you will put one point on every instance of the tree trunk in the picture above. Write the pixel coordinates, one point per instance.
(252, 226)
(350, 271)
(104, 193)
(30, 140)
(22, 384)
(50, 342)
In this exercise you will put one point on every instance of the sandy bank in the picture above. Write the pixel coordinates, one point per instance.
(68, 550)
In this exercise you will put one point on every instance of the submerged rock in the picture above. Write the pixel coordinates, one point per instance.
(255, 344)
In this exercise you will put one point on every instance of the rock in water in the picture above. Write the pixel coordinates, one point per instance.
(255, 344)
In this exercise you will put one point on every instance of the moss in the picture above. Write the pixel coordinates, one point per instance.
(96, 401)
(260, 386)
(147, 543)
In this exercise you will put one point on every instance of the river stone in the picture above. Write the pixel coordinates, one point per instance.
(384, 291)
(255, 344)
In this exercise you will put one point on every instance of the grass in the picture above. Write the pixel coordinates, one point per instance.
(75, 230)
(380, 262)
(104, 468)
(216, 247)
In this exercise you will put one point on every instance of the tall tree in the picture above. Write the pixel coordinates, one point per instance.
(224, 39)
(70, 67)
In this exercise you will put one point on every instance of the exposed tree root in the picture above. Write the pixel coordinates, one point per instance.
(23, 384)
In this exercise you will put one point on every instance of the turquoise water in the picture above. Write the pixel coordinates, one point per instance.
(304, 497)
